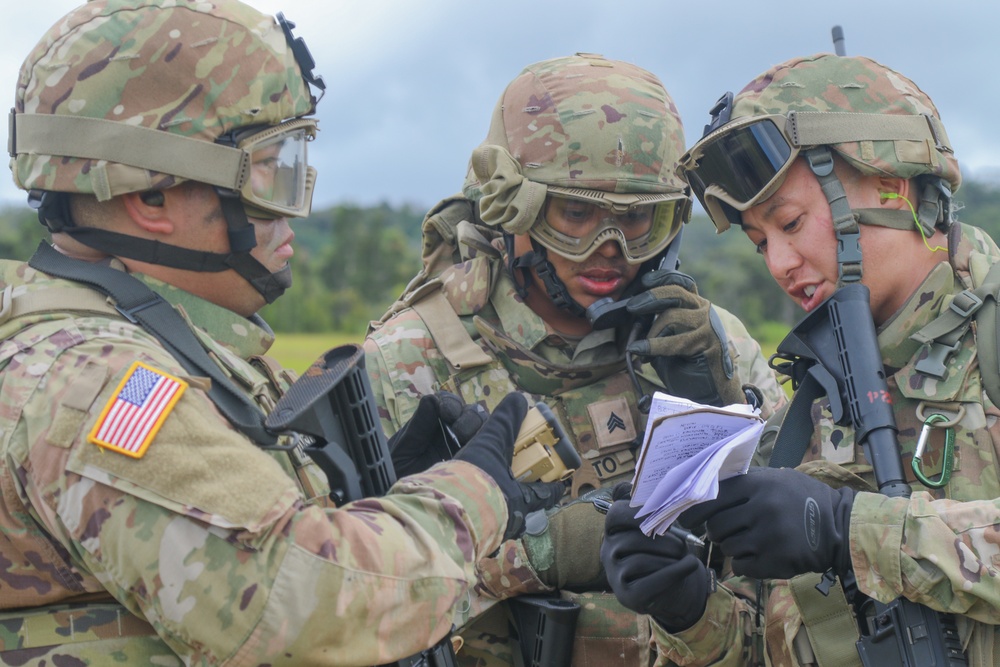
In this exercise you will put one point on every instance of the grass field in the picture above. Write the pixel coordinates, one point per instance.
(298, 351)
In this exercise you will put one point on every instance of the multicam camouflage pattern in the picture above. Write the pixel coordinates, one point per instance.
(852, 84)
(192, 68)
(207, 550)
(576, 122)
(585, 383)
(939, 547)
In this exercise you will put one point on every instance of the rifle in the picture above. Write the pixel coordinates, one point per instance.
(332, 407)
(834, 350)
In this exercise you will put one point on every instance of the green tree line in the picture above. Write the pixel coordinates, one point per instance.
(351, 262)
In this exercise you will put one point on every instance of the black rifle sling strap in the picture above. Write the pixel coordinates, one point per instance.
(797, 426)
(144, 307)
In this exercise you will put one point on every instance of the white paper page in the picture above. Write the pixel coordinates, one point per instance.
(676, 438)
(697, 479)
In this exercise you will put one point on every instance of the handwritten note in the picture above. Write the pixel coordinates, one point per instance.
(687, 449)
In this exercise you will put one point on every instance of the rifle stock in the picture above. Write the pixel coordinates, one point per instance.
(836, 347)
(333, 406)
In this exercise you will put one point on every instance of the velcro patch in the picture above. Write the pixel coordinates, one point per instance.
(612, 422)
(139, 406)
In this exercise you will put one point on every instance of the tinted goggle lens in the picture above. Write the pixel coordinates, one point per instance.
(575, 229)
(742, 162)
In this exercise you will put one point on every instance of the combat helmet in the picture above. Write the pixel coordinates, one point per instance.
(589, 129)
(127, 96)
(877, 120)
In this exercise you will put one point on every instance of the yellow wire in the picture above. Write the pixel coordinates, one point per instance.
(920, 228)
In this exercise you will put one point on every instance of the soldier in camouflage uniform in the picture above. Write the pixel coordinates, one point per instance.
(140, 523)
(767, 168)
(570, 199)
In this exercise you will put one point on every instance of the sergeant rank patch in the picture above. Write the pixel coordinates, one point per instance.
(138, 408)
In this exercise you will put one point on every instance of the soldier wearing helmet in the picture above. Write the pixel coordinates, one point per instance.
(147, 515)
(554, 275)
(840, 171)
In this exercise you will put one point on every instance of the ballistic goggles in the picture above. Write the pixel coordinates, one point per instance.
(743, 163)
(265, 165)
(643, 225)
(278, 180)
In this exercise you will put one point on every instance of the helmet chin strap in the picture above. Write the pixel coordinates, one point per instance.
(54, 214)
(934, 213)
(537, 259)
(845, 224)
(242, 239)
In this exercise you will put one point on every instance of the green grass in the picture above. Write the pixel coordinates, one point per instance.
(297, 351)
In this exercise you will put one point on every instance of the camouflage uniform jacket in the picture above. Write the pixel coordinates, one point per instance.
(585, 383)
(206, 547)
(938, 547)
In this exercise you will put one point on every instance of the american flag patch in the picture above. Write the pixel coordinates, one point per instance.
(141, 403)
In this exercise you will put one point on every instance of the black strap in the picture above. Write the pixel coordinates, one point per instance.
(142, 306)
(797, 426)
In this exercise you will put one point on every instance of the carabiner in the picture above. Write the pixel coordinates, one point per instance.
(948, 460)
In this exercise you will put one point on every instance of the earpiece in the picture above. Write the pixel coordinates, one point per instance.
(889, 195)
(151, 198)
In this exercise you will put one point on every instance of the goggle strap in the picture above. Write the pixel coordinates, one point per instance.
(133, 145)
(845, 225)
(813, 128)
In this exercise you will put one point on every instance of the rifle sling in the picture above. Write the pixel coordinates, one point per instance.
(144, 307)
(797, 426)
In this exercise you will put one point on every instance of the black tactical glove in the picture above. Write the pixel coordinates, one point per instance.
(492, 449)
(423, 440)
(776, 523)
(686, 342)
(656, 576)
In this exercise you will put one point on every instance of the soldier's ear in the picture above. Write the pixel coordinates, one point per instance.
(153, 216)
(893, 192)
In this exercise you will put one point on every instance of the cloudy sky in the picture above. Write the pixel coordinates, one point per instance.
(411, 84)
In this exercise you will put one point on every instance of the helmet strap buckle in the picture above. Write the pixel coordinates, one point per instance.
(820, 160)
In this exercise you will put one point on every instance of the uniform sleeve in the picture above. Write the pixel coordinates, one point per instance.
(751, 363)
(721, 637)
(941, 553)
(403, 364)
(207, 538)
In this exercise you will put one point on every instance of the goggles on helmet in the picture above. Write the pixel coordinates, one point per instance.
(573, 223)
(742, 163)
(739, 165)
(278, 180)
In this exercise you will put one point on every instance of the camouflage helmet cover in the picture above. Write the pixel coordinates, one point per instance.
(576, 122)
(192, 68)
(853, 84)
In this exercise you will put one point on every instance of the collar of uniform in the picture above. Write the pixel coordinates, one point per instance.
(242, 336)
(923, 306)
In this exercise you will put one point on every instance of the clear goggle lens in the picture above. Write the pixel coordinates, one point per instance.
(574, 227)
(281, 181)
(739, 165)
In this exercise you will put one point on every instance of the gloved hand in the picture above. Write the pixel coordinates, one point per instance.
(422, 441)
(686, 342)
(564, 545)
(776, 523)
(655, 576)
(492, 449)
